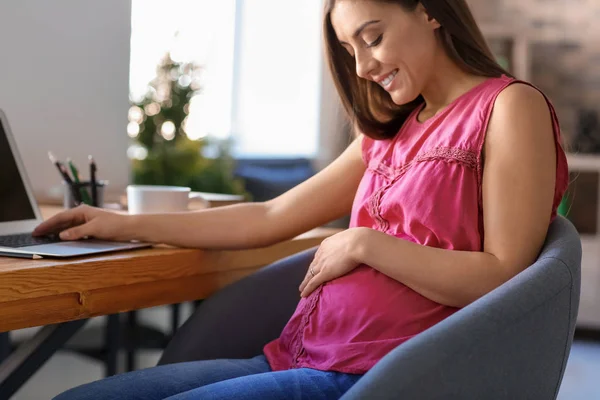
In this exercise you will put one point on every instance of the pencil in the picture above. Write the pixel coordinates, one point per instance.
(93, 181)
(21, 255)
(65, 175)
(82, 191)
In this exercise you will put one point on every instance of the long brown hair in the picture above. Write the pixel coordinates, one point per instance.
(369, 106)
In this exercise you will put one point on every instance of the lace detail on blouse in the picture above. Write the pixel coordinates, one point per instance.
(297, 348)
(447, 154)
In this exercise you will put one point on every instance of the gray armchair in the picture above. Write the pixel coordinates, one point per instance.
(512, 343)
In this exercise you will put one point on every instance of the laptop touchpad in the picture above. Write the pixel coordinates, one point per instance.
(78, 247)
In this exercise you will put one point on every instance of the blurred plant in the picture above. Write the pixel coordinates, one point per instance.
(167, 149)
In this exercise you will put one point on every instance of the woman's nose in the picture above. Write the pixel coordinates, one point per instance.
(364, 65)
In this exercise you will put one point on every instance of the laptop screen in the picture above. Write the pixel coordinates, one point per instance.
(14, 202)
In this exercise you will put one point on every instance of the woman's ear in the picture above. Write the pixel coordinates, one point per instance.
(422, 12)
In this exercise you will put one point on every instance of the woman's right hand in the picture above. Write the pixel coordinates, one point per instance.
(85, 221)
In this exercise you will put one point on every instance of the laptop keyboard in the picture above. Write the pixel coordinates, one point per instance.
(25, 239)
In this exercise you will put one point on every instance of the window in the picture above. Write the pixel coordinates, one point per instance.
(262, 67)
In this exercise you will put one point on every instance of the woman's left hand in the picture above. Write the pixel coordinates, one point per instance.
(335, 257)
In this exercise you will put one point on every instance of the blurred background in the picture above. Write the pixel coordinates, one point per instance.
(233, 96)
(139, 84)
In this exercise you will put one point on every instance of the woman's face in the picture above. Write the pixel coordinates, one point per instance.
(391, 46)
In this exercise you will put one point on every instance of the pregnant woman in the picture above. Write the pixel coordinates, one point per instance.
(453, 178)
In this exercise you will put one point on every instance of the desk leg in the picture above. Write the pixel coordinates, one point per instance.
(22, 363)
(113, 344)
(4, 345)
(132, 327)
(175, 311)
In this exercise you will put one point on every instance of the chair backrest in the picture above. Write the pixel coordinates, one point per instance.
(512, 343)
(563, 244)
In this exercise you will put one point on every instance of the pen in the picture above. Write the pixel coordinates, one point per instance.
(82, 191)
(21, 255)
(65, 175)
(93, 181)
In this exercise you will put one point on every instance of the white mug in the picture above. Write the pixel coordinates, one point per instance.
(142, 199)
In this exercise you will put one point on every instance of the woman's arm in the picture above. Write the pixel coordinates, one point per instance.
(518, 191)
(323, 198)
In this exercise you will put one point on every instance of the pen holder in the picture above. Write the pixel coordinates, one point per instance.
(83, 188)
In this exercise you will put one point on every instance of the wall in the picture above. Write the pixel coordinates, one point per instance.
(564, 48)
(64, 82)
(334, 129)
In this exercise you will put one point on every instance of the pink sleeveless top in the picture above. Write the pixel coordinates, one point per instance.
(424, 186)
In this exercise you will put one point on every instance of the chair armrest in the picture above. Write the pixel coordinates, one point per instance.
(511, 343)
(240, 319)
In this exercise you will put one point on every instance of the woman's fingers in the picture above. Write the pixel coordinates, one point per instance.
(311, 273)
(312, 269)
(60, 222)
(305, 281)
(313, 283)
(78, 232)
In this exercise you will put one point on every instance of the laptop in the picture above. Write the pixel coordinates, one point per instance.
(20, 214)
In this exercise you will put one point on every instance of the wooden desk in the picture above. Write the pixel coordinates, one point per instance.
(62, 294)
(42, 292)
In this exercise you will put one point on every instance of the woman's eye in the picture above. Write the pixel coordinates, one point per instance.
(376, 41)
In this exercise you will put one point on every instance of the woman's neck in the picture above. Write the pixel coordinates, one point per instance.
(447, 83)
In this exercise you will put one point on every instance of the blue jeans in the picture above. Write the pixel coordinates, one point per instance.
(217, 379)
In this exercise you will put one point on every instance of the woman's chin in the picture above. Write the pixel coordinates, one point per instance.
(402, 97)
